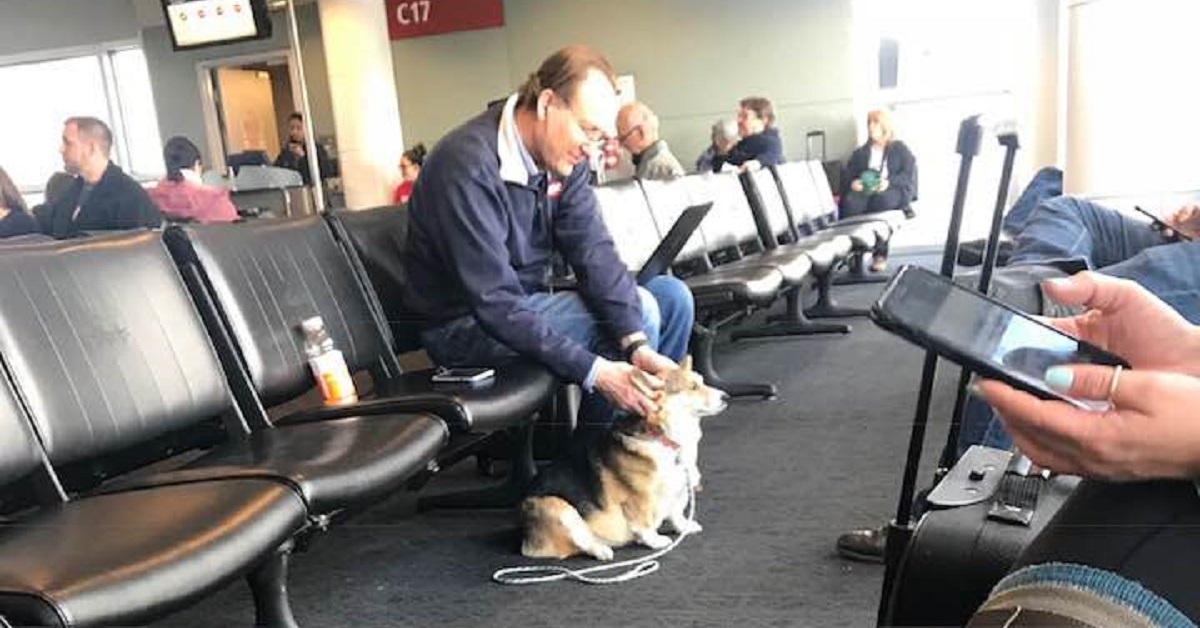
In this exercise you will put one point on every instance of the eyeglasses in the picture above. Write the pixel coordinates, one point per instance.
(636, 129)
(594, 134)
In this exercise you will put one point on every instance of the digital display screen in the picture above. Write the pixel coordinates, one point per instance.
(196, 23)
(972, 325)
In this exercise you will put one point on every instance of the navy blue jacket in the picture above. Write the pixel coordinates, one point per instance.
(117, 202)
(478, 244)
(17, 223)
(766, 147)
(901, 169)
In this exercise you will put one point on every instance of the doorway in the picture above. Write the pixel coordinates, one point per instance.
(247, 103)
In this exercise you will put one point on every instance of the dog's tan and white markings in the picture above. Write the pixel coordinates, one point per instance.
(643, 478)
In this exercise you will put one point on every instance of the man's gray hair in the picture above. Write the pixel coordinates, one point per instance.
(726, 129)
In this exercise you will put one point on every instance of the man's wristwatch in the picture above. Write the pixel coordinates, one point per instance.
(633, 347)
(631, 343)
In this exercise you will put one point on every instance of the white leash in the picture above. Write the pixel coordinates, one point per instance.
(642, 566)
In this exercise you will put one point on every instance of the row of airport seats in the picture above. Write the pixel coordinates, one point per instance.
(770, 234)
(144, 462)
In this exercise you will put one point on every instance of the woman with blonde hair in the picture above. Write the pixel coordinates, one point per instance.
(881, 176)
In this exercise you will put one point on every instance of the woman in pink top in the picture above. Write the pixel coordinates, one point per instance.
(181, 196)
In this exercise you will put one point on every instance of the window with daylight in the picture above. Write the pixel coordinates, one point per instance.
(112, 84)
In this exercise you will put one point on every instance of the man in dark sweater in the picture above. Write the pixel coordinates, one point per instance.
(760, 139)
(102, 197)
(294, 154)
(496, 198)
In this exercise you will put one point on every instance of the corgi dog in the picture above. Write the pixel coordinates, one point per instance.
(622, 487)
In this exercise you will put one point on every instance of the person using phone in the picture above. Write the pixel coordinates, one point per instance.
(1133, 526)
(294, 154)
(1118, 245)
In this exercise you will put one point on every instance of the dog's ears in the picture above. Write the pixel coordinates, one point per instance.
(685, 365)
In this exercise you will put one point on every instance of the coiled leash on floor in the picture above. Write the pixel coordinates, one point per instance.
(642, 566)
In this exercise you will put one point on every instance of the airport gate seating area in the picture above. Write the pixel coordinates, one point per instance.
(147, 460)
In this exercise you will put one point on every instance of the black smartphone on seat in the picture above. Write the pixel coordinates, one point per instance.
(981, 333)
(464, 376)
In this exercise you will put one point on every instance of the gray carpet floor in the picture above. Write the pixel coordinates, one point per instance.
(782, 479)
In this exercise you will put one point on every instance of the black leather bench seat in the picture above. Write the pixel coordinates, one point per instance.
(519, 389)
(893, 218)
(793, 263)
(291, 269)
(331, 464)
(115, 559)
(750, 284)
(863, 234)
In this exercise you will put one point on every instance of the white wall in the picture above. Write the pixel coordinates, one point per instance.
(35, 25)
(1131, 97)
(692, 61)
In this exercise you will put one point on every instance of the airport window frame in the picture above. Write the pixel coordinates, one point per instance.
(142, 162)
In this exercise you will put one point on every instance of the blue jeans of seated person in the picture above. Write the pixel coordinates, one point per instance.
(1047, 183)
(667, 316)
(1116, 245)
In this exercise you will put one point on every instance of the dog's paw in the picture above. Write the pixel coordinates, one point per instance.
(601, 551)
(687, 526)
(654, 540)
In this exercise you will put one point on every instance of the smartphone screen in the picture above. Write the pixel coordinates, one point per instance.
(947, 316)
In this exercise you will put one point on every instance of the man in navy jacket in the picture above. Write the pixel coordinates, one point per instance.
(496, 198)
(760, 138)
(101, 197)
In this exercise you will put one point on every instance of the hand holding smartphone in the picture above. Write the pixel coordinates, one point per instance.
(1159, 225)
(980, 333)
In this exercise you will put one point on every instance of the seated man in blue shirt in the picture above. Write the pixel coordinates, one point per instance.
(496, 198)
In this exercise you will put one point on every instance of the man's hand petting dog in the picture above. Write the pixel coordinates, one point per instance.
(652, 361)
(628, 387)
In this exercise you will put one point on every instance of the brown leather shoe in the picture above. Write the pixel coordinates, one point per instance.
(863, 545)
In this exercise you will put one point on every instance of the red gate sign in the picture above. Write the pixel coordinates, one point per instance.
(416, 18)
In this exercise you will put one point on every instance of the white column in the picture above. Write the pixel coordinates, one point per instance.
(366, 115)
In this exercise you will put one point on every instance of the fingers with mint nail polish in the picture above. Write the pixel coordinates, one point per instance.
(1059, 378)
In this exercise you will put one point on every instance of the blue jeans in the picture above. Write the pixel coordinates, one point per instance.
(1047, 183)
(667, 316)
(1116, 245)
(1065, 227)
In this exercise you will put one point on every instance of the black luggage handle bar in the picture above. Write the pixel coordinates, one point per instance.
(1010, 143)
(899, 532)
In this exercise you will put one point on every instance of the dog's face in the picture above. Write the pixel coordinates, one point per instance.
(684, 400)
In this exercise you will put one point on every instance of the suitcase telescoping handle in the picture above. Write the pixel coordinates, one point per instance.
(1008, 139)
(809, 138)
(970, 133)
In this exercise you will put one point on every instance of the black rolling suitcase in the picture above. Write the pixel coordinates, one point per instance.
(985, 508)
(832, 168)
